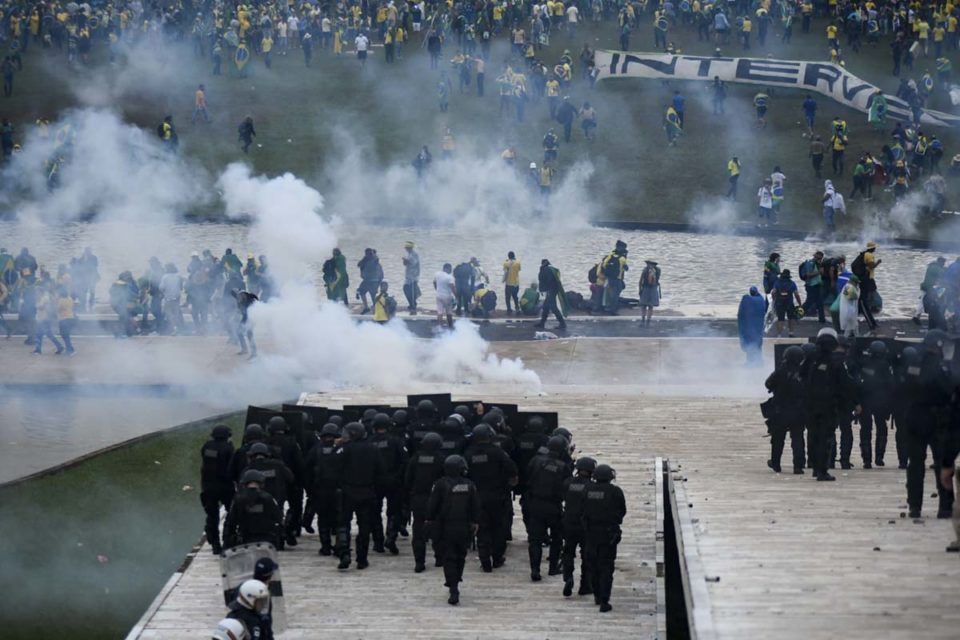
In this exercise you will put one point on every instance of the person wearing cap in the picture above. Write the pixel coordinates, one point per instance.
(863, 267)
(411, 276)
(263, 571)
(649, 291)
(533, 177)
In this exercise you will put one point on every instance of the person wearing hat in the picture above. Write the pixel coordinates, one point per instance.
(786, 299)
(863, 267)
(411, 276)
(649, 291)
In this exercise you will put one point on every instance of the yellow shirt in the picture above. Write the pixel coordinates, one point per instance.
(733, 168)
(923, 30)
(65, 308)
(951, 24)
(201, 99)
(266, 45)
(511, 273)
(553, 88)
(938, 33)
(831, 32)
(747, 25)
(380, 308)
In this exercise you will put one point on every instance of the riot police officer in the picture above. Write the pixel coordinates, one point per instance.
(278, 479)
(544, 500)
(574, 495)
(454, 511)
(928, 387)
(323, 481)
(876, 393)
(452, 436)
(494, 473)
(361, 471)
(827, 390)
(603, 512)
(424, 468)
(216, 484)
(287, 444)
(250, 608)
(254, 515)
(529, 442)
(393, 457)
(787, 417)
(425, 421)
(252, 434)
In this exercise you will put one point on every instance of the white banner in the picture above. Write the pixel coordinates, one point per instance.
(824, 78)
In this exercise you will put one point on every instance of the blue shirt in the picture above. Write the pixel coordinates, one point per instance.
(678, 103)
(842, 280)
(810, 107)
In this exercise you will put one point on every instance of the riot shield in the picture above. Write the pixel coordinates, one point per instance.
(236, 567)
(316, 416)
(442, 401)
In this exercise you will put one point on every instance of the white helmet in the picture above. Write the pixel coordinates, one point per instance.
(533, 165)
(254, 595)
(230, 629)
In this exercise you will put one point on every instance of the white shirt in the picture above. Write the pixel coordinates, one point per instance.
(293, 23)
(445, 285)
(573, 14)
(325, 25)
(361, 42)
(778, 179)
(766, 197)
(171, 284)
(282, 29)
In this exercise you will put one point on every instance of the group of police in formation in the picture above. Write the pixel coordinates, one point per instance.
(832, 383)
(456, 477)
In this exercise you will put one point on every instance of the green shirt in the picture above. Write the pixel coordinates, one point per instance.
(812, 271)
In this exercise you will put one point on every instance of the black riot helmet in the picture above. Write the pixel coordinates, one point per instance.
(455, 466)
(221, 432)
(431, 442)
(604, 473)
(910, 356)
(381, 421)
(253, 433)
(277, 425)
(483, 433)
(809, 350)
(556, 445)
(337, 420)
(827, 340)
(426, 409)
(354, 431)
(330, 430)
(463, 411)
(494, 418)
(259, 449)
(587, 464)
(250, 476)
(368, 416)
(793, 356)
(400, 417)
(563, 433)
(878, 349)
(535, 425)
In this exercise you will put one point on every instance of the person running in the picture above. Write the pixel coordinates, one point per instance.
(733, 175)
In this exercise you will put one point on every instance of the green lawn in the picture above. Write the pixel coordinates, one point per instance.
(310, 120)
(128, 506)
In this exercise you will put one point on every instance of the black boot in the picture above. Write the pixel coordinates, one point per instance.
(454, 598)
(344, 562)
(567, 587)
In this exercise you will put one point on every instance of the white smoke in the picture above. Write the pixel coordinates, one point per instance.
(110, 168)
(714, 215)
(317, 340)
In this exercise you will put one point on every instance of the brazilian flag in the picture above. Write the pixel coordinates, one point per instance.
(241, 57)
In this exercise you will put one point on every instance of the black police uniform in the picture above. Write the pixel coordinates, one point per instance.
(288, 447)
(323, 481)
(423, 470)
(253, 517)
(529, 442)
(394, 457)
(454, 509)
(876, 393)
(216, 485)
(603, 512)
(574, 497)
(255, 623)
(928, 386)
(827, 392)
(361, 471)
(900, 403)
(787, 389)
(492, 470)
(543, 502)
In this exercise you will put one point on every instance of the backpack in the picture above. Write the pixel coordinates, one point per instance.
(802, 270)
(859, 267)
(329, 270)
(611, 267)
(592, 274)
(160, 131)
(390, 304)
